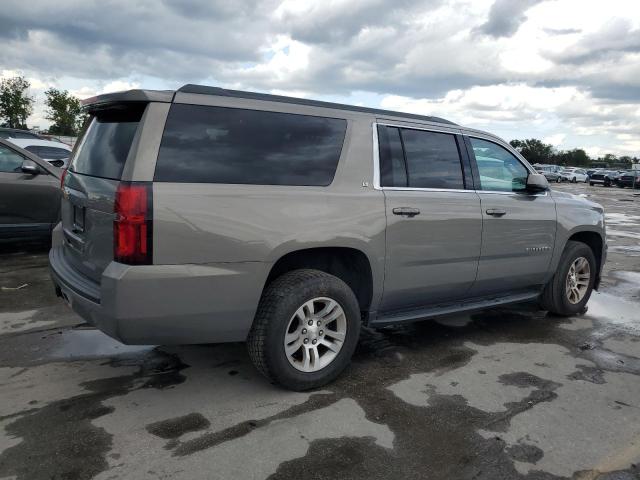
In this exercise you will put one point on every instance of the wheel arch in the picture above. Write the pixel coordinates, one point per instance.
(349, 264)
(595, 241)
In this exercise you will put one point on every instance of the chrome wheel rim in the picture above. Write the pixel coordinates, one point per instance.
(315, 334)
(578, 278)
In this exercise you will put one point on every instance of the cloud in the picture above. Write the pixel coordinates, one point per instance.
(515, 67)
(506, 16)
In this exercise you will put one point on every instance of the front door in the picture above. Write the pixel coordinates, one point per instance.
(519, 227)
(28, 202)
(434, 224)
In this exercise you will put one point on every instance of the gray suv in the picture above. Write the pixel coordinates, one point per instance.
(208, 215)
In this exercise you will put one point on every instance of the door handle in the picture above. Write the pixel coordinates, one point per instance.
(406, 211)
(496, 212)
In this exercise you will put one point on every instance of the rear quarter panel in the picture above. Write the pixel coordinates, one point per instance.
(200, 223)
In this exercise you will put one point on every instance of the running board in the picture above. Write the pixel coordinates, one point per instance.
(424, 313)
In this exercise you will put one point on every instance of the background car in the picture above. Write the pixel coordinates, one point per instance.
(550, 175)
(56, 153)
(630, 178)
(29, 194)
(18, 133)
(574, 175)
(603, 177)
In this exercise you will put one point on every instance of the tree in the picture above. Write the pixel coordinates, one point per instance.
(533, 150)
(15, 104)
(575, 158)
(65, 111)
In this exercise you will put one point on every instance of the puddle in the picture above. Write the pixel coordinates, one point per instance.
(35, 348)
(611, 309)
(622, 219)
(89, 343)
(630, 250)
(622, 233)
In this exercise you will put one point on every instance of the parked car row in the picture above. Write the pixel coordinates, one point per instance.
(594, 176)
(620, 178)
(55, 152)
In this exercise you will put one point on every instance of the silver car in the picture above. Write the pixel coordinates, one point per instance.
(207, 215)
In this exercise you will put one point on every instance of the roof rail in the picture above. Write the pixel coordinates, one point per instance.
(223, 92)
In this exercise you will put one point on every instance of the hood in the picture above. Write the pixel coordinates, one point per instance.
(577, 200)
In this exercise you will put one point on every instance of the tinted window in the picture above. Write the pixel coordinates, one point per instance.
(33, 149)
(228, 145)
(392, 167)
(54, 153)
(31, 136)
(103, 150)
(499, 169)
(10, 161)
(432, 159)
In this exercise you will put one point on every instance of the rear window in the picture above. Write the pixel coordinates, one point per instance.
(103, 149)
(204, 144)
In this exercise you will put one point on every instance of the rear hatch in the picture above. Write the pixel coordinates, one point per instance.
(90, 186)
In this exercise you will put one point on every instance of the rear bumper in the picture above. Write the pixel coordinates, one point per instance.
(165, 304)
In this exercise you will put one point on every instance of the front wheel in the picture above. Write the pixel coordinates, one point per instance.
(305, 330)
(591, 184)
(574, 180)
(558, 180)
(569, 289)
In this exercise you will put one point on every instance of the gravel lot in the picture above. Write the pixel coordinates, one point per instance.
(505, 393)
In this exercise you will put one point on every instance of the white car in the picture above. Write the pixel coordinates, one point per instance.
(56, 153)
(574, 175)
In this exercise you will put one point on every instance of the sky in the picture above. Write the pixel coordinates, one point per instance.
(565, 71)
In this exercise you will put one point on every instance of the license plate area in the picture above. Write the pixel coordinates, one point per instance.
(78, 219)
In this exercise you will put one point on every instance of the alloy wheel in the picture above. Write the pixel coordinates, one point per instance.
(315, 334)
(577, 283)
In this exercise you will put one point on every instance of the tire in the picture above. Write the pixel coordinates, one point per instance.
(591, 184)
(558, 180)
(574, 180)
(279, 306)
(555, 297)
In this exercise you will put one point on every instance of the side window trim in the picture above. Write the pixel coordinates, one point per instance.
(461, 154)
(476, 173)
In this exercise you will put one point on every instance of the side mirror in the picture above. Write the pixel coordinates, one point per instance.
(30, 167)
(537, 182)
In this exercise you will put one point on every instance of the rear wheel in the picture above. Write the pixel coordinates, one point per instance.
(558, 180)
(591, 184)
(569, 290)
(305, 330)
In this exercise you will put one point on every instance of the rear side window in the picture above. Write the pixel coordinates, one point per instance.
(393, 171)
(419, 159)
(204, 144)
(54, 153)
(433, 160)
(104, 147)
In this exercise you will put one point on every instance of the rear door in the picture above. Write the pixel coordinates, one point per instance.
(519, 228)
(434, 224)
(90, 185)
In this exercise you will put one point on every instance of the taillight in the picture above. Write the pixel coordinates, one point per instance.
(132, 226)
(62, 177)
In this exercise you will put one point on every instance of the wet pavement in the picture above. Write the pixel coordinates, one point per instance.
(505, 393)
